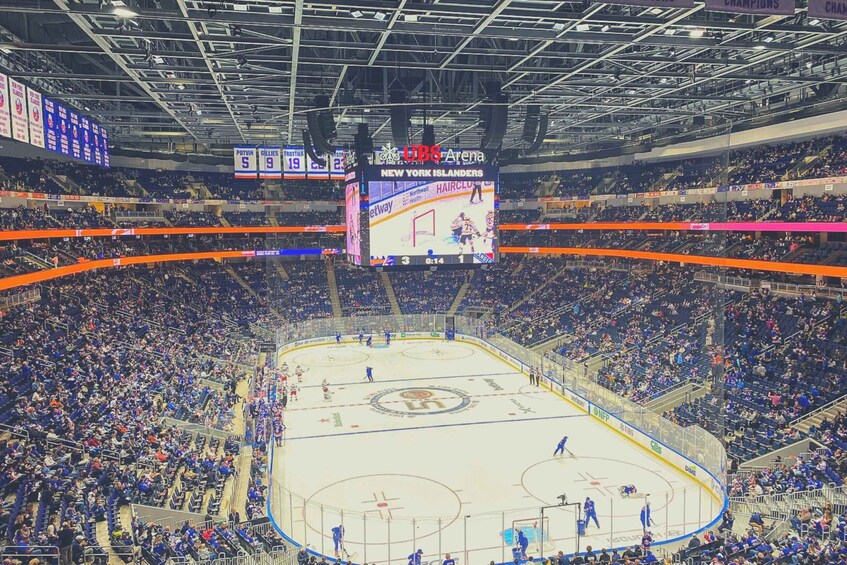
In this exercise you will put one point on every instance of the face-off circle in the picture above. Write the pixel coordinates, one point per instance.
(420, 401)
(371, 501)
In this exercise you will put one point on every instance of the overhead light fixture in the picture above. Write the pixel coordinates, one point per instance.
(356, 13)
(670, 31)
(275, 9)
(808, 64)
(759, 47)
(768, 39)
(158, 60)
(181, 86)
(122, 11)
(239, 7)
(198, 111)
(605, 28)
(814, 22)
(656, 11)
(583, 27)
(558, 26)
(663, 80)
(672, 52)
(697, 32)
(412, 18)
(380, 16)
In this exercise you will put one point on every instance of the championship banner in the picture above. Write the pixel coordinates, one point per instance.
(36, 118)
(654, 3)
(95, 146)
(766, 7)
(20, 123)
(76, 142)
(5, 118)
(270, 163)
(85, 128)
(64, 130)
(244, 166)
(828, 9)
(104, 146)
(51, 125)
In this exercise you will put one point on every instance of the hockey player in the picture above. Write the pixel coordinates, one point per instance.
(299, 373)
(369, 374)
(294, 391)
(338, 538)
(456, 226)
(415, 558)
(468, 232)
(646, 541)
(361, 337)
(646, 522)
(560, 449)
(369, 341)
(327, 393)
(337, 338)
(590, 512)
(523, 543)
(387, 338)
(628, 490)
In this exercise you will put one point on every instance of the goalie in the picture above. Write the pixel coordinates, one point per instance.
(628, 490)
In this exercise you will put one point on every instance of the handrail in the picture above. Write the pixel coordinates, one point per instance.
(212, 230)
(826, 406)
(817, 227)
(686, 226)
(725, 262)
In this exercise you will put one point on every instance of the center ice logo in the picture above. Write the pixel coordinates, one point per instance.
(420, 401)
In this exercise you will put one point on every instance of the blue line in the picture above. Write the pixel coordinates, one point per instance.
(433, 426)
(364, 382)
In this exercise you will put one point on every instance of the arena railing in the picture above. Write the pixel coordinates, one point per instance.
(693, 451)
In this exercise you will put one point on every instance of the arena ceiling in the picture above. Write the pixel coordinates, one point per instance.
(206, 74)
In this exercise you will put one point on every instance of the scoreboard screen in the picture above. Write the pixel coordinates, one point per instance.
(425, 215)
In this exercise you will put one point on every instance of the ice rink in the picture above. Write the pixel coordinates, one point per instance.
(449, 450)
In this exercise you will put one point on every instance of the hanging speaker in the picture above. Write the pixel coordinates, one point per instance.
(492, 137)
(543, 121)
(530, 124)
(399, 118)
(428, 135)
(307, 145)
(321, 126)
(363, 142)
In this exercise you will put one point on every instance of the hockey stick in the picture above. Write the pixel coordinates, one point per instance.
(571, 452)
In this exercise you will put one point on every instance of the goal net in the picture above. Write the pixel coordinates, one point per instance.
(423, 225)
(537, 533)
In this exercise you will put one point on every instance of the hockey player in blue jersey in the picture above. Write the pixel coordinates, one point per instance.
(561, 447)
(369, 342)
(646, 522)
(590, 512)
(337, 337)
(387, 338)
(369, 374)
(361, 337)
(338, 538)
(523, 543)
(628, 490)
(415, 558)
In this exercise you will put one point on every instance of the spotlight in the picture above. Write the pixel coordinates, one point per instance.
(814, 22)
(558, 26)
(380, 16)
(121, 10)
(697, 32)
(356, 13)
(768, 39)
(605, 28)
